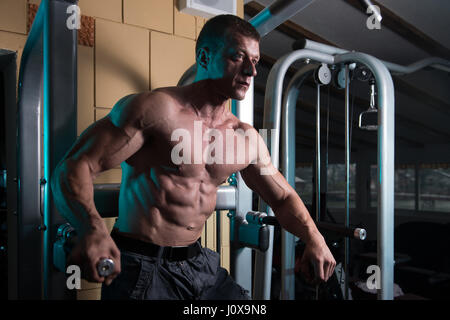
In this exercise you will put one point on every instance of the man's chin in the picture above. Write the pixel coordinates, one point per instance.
(239, 95)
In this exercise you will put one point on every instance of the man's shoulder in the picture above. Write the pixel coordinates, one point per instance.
(146, 107)
(248, 128)
(161, 99)
(165, 94)
(144, 100)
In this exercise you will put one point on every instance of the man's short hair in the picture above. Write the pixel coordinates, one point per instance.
(219, 27)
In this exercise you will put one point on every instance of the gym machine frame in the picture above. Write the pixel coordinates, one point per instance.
(47, 79)
(386, 142)
(272, 118)
(314, 51)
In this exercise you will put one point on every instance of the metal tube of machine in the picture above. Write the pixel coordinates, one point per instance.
(272, 115)
(277, 13)
(29, 284)
(386, 103)
(317, 176)
(435, 62)
(59, 127)
(385, 174)
(242, 257)
(357, 233)
(288, 169)
(317, 181)
(347, 176)
(226, 198)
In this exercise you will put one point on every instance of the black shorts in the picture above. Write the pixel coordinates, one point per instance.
(150, 272)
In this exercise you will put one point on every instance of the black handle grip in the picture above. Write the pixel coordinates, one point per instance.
(271, 220)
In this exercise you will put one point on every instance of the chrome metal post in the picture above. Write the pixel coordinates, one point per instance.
(242, 257)
(347, 177)
(385, 174)
(317, 180)
(272, 116)
(276, 13)
(29, 218)
(288, 131)
(434, 62)
(386, 103)
(318, 163)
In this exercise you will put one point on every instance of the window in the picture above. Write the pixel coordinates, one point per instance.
(404, 187)
(434, 187)
(304, 182)
(336, 186)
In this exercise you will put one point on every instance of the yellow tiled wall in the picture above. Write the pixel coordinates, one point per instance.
(121, 61)
(104, 9)
(184, 24)
(150, 14)
(139, 45)
(167, 65)
(85, 85)
(13, 16)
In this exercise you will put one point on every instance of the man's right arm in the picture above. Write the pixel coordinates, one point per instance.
(104, 145)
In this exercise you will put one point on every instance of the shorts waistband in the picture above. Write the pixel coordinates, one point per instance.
(153, 250)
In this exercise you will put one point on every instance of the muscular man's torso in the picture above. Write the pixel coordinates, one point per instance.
(167, 203)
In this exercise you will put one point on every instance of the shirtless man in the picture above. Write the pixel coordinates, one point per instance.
(163, 206)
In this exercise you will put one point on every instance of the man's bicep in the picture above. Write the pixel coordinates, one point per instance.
(263, 178)
(268, 182)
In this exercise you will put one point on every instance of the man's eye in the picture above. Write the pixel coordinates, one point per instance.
(238, 56)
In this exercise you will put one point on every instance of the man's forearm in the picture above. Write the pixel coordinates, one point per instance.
(294, 217)
(73, 193)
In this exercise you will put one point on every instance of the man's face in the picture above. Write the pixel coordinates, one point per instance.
(234, 64)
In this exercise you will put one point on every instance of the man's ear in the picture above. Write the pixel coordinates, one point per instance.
(203, 57)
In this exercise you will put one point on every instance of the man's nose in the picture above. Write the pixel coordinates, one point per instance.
(250, 70)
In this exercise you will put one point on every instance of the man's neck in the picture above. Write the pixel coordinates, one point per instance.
(206, 101)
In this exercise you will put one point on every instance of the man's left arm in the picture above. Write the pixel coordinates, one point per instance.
(263, 178)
